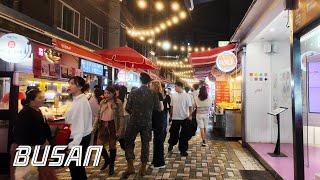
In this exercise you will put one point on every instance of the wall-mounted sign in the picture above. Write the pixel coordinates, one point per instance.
(226, 61)
(91, 67)
(222, 91)
(52, 55)
(14, 48)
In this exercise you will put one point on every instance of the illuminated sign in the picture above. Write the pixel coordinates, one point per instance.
(226, 61)
(223, 43)
(91, 67)
(14, 48)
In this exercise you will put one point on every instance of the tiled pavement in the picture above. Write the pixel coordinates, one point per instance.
(220, 160)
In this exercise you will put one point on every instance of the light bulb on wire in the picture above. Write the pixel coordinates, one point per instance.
(159, 6)
(142, 4)
(175, 6)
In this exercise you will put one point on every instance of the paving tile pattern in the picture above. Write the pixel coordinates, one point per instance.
(220, 160)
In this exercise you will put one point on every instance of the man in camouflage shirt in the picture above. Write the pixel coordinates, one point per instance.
(141, 103)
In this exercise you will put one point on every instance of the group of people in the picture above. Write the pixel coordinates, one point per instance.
(112, 115)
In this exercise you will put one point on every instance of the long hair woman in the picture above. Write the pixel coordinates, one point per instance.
(203, 104)
(122, 92)
(30, 128)
(158, 125)
(80, 119)
(108, 125)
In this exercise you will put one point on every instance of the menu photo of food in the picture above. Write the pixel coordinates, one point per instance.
(64, 72)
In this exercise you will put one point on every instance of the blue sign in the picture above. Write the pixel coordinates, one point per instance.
(91, 67)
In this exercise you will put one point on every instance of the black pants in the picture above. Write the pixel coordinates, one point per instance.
(178, 132)
(79, 172)
(158, 147)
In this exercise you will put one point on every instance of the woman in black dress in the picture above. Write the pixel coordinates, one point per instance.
(158, 125)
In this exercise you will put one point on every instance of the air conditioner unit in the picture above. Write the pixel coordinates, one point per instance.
(267, 47)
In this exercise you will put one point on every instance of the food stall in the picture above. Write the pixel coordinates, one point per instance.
(220, 67)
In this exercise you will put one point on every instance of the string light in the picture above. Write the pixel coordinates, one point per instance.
(163, 26)
(182, 48)
(196, 49)
(183, 15)
(150, 41)
(175, 47)
(142, 4)
(175, 20)
(175, 6)
(159, 6)
(175, 64)
(169, 23)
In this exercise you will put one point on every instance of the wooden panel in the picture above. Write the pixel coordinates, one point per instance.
(308, 11)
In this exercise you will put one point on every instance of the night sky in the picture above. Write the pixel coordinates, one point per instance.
(209, 22)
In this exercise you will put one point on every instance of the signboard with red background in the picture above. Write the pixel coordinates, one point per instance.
(222, 91)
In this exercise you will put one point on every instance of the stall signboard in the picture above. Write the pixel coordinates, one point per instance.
(307, 12)
(226, 61)
(222, 91)
(91, 67)
(14, 48)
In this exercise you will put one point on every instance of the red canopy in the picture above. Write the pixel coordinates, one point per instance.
(208, 57)
(128, 57)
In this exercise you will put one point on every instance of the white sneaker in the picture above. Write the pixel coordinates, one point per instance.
(159, 167)
(204, 145)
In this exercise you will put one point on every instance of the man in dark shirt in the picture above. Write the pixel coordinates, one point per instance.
(140, 105)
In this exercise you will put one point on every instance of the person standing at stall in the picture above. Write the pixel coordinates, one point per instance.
(31, 129)
(141, 103)
(181, 113)
(203, 104)
(80, 119)
(158, 125)
(108, 125)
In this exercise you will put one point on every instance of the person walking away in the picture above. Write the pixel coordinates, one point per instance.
(94, 101)
(30, 128)
(181, 104)
(140, 105)
(80, 119)
(158, 125)
(203, 104)
(108, 124)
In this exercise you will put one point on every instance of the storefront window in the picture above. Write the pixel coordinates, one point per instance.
(310, 76)
(4, 93)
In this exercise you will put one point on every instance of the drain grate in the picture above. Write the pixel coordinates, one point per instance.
(255, 174)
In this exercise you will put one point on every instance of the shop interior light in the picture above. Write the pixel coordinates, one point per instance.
(238, 78)
(175, 6)
(159, 6)
(142, 4)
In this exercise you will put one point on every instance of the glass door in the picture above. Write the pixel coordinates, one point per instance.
(8, 112)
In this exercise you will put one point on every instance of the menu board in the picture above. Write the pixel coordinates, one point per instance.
(91, 67)
(314, 84)
(222, 91)
(308, 11)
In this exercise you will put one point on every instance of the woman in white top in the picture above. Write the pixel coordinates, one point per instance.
(203, 104)
(80, 119)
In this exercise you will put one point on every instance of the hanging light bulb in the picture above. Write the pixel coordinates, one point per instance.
(203, 48)
(150, 41)
(189, 48)
(175, 47)
(175, 6)
(159, 44)
(175, 19)
(169, 23)
(157, 30)
(142, 38)
(182, 14)
(209, 49)
(163, 26)
(182, 48)
(185, 59)
(196, 49)
(159, 6)
(142, 4)
(166, 45)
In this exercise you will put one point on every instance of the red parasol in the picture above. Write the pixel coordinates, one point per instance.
(128, 57)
